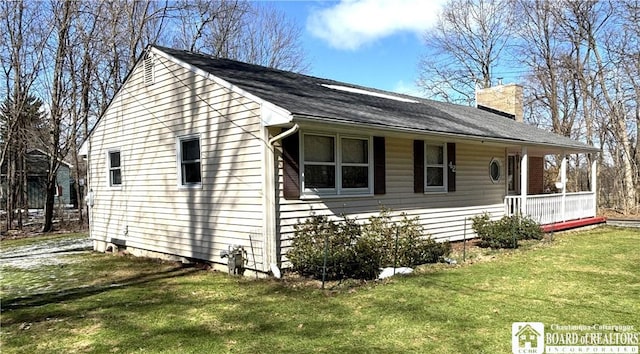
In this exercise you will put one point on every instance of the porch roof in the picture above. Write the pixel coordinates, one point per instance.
(331, 101)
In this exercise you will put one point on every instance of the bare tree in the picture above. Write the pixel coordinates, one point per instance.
(464, 47)
(583, 58)
(63, 14)
(76, 64)
(21, 55)
(240, 30)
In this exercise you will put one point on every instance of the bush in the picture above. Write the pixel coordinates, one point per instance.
(355, 251)
(506, 232)
(307, 250)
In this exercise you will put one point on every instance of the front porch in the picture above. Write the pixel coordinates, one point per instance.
(556, 211)
(552, 208)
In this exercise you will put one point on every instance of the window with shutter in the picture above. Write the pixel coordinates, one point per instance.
(316, 164)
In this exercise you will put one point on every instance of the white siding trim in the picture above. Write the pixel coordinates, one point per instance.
(150, 212)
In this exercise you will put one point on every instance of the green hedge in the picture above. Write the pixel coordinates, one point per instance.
(359, 251)
(505, 232)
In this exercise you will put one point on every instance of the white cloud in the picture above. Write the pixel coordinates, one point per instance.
(353, 23)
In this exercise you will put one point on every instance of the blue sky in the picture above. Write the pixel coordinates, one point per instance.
(374, 43)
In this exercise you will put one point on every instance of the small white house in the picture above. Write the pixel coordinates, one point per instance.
(195, 154)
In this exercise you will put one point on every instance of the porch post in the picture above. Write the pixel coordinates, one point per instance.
(524, 180)
(594, 189)
(563, 180)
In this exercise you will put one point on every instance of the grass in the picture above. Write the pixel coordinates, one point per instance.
(103, 303)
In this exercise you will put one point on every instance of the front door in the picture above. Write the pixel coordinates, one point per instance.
(513, 174)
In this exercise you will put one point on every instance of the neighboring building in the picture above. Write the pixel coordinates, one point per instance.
(195, 154)
(37, 170)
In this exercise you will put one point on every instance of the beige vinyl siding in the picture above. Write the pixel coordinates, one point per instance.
(150, 210)
(442, 215)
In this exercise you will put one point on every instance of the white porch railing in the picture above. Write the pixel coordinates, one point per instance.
(553, 208)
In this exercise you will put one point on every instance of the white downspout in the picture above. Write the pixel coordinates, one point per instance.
(284, 134)
(271, 200)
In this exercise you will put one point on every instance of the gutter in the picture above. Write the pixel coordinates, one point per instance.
(568, 148)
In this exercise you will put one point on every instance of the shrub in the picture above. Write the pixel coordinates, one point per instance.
(360, 251)
(308, 248)
(506, 232)
(415, 249)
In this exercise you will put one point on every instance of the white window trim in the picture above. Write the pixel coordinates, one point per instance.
(436, 189)
(337, 191)
(500, 176)
(179, 141)
(109, 184)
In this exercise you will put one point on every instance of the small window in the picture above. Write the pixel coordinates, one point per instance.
(115, 168)
(435, 174)
(189, 157)
(495, 170)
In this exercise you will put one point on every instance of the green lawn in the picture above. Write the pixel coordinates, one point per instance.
(103, 303)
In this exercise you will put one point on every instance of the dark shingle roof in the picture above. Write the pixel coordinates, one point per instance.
(308, 96)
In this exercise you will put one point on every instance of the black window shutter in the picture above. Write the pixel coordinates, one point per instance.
(451, 161)
(379, 167)
(291, 170)
(418, 166)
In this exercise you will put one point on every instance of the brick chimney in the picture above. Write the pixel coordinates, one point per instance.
(502, 99)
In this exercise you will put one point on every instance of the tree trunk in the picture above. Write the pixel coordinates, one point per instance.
(49, 204)
(11, 167)
(77, 176)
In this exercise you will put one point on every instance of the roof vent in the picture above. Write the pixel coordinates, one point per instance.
(369, 93)
(148, 69)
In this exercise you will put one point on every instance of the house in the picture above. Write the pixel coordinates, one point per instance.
(527, 337)
(195, 155)
(37, 170)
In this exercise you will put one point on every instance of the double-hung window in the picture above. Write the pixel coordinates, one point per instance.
(115, 168)
(336, 165)
(189, 161)
(355, 163)
(320, 163)
(435, 168)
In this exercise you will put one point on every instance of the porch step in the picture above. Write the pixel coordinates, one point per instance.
(566, 225)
